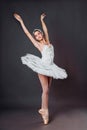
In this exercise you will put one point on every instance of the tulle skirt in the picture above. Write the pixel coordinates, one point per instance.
(37, 65)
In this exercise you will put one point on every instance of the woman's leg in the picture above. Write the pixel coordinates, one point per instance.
(49, 81)
(44, 80)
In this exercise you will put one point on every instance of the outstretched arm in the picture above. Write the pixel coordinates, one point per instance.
(17, 17)
(44, 27)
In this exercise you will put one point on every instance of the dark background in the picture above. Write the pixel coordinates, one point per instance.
(67, 26)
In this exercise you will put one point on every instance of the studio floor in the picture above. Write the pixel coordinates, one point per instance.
(62, 117)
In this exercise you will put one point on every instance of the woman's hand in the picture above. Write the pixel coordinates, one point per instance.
(18, 17)
(42, 16)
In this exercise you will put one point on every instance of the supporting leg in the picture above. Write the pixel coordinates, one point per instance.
(45, 83)
(45, 90)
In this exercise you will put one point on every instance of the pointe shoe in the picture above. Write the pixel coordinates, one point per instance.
(45, 115)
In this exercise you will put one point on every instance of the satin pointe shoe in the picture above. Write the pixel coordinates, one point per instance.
(45, 115)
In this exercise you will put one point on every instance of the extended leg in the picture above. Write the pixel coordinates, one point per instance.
(49, 81)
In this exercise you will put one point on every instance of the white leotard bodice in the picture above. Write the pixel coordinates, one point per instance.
(47, 54)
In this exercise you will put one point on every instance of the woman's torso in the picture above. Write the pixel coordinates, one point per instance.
(47, 54)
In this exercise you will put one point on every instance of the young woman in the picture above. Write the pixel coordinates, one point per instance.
(44, 66)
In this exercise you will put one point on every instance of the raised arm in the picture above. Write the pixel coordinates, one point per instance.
(17, 17)
(44, 27)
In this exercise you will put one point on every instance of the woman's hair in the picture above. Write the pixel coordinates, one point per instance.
(39, 30)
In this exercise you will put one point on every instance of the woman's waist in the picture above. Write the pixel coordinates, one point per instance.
(47, 60)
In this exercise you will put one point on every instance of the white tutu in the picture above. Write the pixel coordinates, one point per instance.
(45, 64)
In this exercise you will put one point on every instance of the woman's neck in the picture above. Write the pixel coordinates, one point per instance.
(43, 41)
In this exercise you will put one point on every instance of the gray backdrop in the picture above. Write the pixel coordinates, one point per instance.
(67, 26)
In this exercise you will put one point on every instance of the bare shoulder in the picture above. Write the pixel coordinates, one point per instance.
(49, 44)
(39, 46)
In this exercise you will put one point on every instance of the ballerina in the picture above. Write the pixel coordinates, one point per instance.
(44, 66)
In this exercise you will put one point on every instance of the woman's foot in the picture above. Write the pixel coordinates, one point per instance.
(45, 115)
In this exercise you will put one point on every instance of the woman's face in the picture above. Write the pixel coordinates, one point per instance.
(38, 35)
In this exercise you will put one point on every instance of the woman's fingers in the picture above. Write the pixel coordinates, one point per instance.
(43, 16)
(17, 17)
(15, 14)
